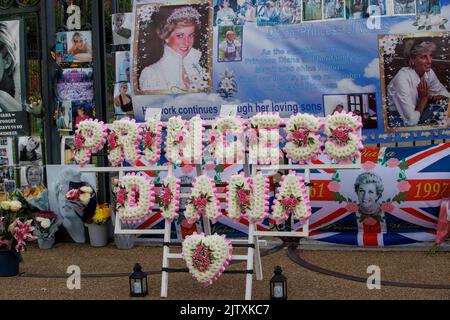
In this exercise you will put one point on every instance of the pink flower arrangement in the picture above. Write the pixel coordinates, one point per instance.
(121, 196)
(334, 186)
(200, 202)
(301, 135)
(167, 196)
(387, 207)
(368, 166)
(290, 203)
(22, 234)
(201, 257)
(340, 134)
(403, 186)
(78, 141)
(393, 162)
(253, 136)
(148, 139)
(187, 169)
(179, 137)
(210, 166)
(112, 140)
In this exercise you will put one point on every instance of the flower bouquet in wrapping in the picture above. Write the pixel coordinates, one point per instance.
(46, 224)
(82, 199)
(15, 229)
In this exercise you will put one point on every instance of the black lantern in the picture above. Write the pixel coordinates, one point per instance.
(138, 282)
(278, 285)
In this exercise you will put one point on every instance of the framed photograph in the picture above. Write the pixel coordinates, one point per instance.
(362, 104)
(67, 147)
(12, 76)
(428, 7)
(121, 27)
(165, 35)
(6, 152)
(404, 7)
(279, 12)
(377, 8)
(226, 12)
(357, 9)
(123, 66)
(230, 44)
(333, 9)
(123, 102)
(74, 46)
(31, 176)
(414, 80)
(75, 84)
(312, 10)
(30, 150)
(64, 119)
(81, 110)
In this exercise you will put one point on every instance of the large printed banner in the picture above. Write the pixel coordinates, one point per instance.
(325, 60)
(394, 199)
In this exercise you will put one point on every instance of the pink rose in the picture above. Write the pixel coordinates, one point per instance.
(253, 136)
(78, 141)
(387, 207)
(179, 137)
(72, 194)
(121, 195)
(186, 169)
(368, 166)
(351, 207)
(334, 186)
(301, 135)
(199, 248)
(112, 142)
(403, 186)
(393, 162)
(148, 138)
(210, 166)
(370, 221)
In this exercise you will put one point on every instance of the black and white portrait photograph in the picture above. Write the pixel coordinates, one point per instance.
(10, 66)
(172, 48)
(30, 150)
(123, 66)
(414, 80)
(32, 176)
(121, 26)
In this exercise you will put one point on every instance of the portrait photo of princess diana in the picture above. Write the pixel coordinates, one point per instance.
(172, 48)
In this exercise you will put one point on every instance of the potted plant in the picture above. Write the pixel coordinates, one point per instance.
(97, 226)
(46, 225)
(15, 232)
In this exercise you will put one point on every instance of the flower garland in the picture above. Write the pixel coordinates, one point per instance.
(203, 200)
(123, 142)
(135, 197)
(223, 151)
(90, 137)
(169, 198)
(248, 197)
(264, 138)
(344, 139)
(184, 141)
(303, 141)
(292, 199)
(152, 140)
(207, 257)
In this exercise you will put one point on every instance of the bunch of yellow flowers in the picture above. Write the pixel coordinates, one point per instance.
(102, 214)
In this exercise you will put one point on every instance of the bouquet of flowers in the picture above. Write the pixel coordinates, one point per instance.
(102, 214)
(15, 230)
(83, 201)
(46, 225)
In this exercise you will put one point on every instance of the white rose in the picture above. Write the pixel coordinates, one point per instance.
(85, 197)
(45, 223)
(86, 189)
(5, 205)
(15, 206)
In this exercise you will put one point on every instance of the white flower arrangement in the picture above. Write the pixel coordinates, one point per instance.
(184, 141)
(170, 197)
(123, 142)
(225, 152)
(248, 197)
(292, 199)
(264, 137)
(207, 257)
(344, 137)
(303, 141)
(152, 140)
(90, 137)
(203, 200)
(135, 198)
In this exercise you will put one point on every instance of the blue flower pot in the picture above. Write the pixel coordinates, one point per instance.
(9, 263)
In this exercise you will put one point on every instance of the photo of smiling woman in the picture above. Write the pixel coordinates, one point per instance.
(415, 81)
(175, 58)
